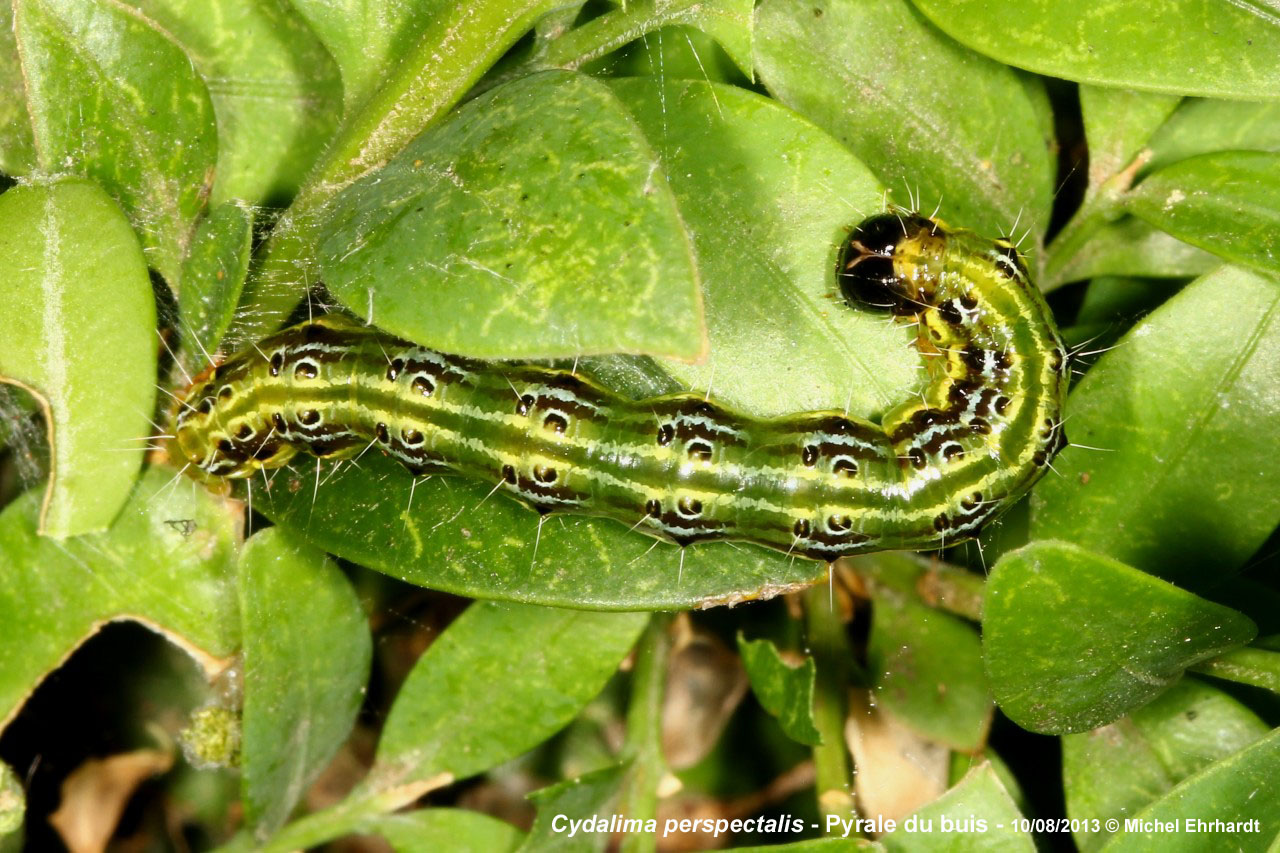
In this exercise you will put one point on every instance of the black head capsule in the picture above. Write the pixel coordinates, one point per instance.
(865, 270)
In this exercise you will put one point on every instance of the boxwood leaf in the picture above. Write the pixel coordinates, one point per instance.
(1227, 203)
(926, 668)
(538, 213)
(306, 651)
(500, 680)
(783, 689)
(111, 96)
(915, 107)
(1192, 47)
(589, 795)
(275, 90)
(1074, 640)
(1183, 484)
(978, 797)
(428, 830)
(1240, 789)
(1116, 770)
(76, 276)
(213, 275)
(166, 562)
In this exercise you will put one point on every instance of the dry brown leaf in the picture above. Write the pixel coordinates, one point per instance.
(898, 771)
(95, 794)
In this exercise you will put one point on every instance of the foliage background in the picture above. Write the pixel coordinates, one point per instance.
(455, 173)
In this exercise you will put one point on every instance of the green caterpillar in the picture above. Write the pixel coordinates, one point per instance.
(817, 484)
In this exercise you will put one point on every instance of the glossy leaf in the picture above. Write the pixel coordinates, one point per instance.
(979, 797)
(366, 39)
(1114, 771)
(17, 151)
(783, 689)
(676, 53)
(1131, 247)
(166, 562)
(451, 537)
(765, 230)
(536, 667)
(306, 651)
(1184, 484)
(275, 90)
(114, 98)
(1240, 788)
(729, 22)
(436, 67)
(926, 668)
(1190, 47)
(213, 275)
(1118, 124)
(573, 800)
(76, 286)
(1075, 640)
(429, 830)
(1202, 126)
(915, 107)
(538, 213)
(1226, 203)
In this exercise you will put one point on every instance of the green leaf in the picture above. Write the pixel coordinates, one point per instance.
(591, 794)
(1190, 47)
(112, 97)
(1227, 203)
(1243, 788)
(428, 830)
(538, 213)
(1183, 485)
(17, 151)
(306, 660)
(366, 39)
(166, 563)
(1115, 771)
(440, 62)
(213, 275)
(1259, 667)
(676, 52)
(446, 535)
(1204, 126)
(1108, 300)
(1131, 247)
(765, 231)
(975, 815)
(729, 22)
(1074, 640)
(275, 90)
(926, 668)
(535, 667)
(915, 107)
(784, 690)
(76, 277)
(1117, 125)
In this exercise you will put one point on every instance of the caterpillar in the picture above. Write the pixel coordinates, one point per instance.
(818, 484)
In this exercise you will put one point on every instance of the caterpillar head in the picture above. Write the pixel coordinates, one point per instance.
(884, 262)
(214, 440)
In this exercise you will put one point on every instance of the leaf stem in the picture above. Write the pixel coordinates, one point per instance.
(829, 646)
(1258, 667)
(643, 745)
